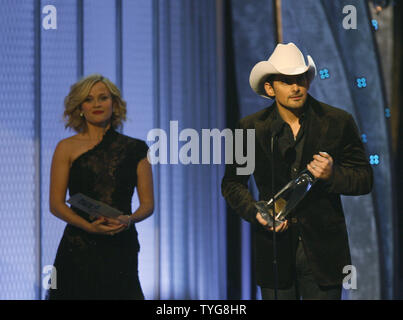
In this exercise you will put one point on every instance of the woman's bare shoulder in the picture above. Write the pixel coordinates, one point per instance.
(76, 145)
(65, 147)
(69, 141)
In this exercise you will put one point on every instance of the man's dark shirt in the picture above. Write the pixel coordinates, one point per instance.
(290, 148)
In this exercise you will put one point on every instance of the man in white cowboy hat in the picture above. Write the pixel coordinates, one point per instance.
(312, 244)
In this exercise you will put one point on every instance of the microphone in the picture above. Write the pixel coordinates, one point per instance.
(276, 127)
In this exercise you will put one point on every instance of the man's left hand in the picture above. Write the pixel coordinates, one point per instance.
(321, 166)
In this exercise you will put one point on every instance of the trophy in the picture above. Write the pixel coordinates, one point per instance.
(286, 199)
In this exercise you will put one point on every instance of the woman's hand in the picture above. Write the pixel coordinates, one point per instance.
(112, 221)
(106, 226)
(126, 220)
(122, 219)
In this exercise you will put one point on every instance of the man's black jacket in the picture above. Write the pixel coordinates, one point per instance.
(320, 217)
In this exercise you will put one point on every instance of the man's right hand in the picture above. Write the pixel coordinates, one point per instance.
(280, 228)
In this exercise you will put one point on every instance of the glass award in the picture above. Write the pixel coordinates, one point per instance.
(286, 199)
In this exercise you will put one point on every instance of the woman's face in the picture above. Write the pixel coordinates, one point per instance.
(98, 105)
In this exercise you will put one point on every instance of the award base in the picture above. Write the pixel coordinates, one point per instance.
(266, 211)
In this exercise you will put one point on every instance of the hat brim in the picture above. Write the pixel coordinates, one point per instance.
(263, 69)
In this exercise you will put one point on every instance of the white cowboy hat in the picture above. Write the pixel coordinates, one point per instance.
(286, 59)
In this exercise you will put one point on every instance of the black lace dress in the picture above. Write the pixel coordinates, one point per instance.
(91, 266)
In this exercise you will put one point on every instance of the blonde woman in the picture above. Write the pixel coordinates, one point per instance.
(97, 258)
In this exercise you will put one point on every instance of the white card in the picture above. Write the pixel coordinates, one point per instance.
(93, 207)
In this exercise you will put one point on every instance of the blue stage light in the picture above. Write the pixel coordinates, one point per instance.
(374, 159)
(375, 24)
(361, 82)
(324, 74)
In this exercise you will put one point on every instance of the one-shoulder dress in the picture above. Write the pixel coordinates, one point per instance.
(92, 266)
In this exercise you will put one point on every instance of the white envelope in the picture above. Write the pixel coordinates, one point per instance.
(93, 207)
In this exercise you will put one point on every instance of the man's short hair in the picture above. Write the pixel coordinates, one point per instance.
(270, 79)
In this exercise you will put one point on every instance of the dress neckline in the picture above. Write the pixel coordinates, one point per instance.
(105, 137)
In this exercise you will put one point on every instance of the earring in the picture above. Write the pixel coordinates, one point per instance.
(81, 114)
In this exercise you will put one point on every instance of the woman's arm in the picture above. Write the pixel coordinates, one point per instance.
(145, 191)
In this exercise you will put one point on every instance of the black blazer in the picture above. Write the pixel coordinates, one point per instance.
(320, 217)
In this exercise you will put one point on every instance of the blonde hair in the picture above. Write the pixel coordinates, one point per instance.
(79, 91)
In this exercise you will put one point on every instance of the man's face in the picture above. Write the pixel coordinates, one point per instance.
(291, 92)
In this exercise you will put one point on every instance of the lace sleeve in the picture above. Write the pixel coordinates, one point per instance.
(140, 150)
